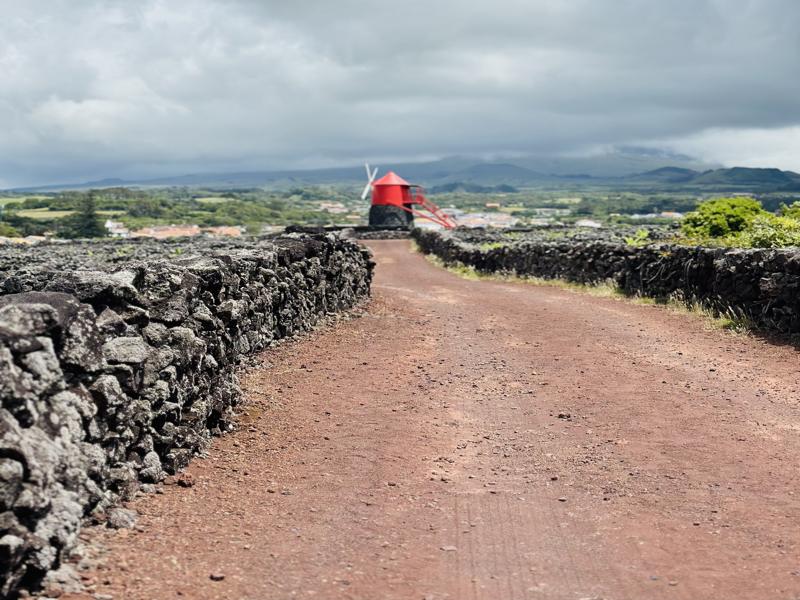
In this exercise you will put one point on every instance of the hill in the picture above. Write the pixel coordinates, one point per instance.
(518, 171)
(735, 178)
(497, 173)
(748, 177)
(607, 170)
(666, 175)
(472, 188)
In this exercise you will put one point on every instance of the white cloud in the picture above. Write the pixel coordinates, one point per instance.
(752, 147)
(94, 88)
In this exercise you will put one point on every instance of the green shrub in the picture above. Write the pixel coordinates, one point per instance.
(770, 231)
(7, 230)
(721, 217)
(793, 210)
(491, 245)
(638, 239)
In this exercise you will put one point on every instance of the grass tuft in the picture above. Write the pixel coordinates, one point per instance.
(492, 245)
(727, 320)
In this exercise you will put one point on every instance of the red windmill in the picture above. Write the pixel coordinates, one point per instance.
(394, 201)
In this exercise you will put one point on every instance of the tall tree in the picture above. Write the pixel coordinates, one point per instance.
(85, 223)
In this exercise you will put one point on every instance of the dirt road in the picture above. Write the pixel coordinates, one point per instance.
(475, 439)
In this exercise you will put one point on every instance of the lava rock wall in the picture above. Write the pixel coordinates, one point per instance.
(760, 285)
(110, 379)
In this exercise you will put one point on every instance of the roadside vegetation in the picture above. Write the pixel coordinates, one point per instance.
(742, 223)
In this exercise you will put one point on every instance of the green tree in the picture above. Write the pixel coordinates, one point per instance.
(721, 217)
(85, 223)
(7, 230)
(146, 207)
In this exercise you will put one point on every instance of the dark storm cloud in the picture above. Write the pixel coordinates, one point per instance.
(95, 88)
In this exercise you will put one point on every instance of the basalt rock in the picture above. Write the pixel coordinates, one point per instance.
(117, 365)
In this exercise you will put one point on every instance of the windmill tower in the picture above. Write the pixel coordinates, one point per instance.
(394, 201)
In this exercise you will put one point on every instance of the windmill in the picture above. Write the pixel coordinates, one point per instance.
(394, 201)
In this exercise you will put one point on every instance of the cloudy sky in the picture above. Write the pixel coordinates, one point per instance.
(92, 88)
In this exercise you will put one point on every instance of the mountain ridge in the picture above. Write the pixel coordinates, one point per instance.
(486, 173)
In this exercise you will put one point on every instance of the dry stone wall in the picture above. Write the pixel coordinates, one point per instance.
(760, 285)
(112, 377)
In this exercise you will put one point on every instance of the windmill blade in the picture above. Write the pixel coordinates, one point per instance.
(370, 178)
(366, 190)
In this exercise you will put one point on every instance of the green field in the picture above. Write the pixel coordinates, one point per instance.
(43, 213)
(213, 200)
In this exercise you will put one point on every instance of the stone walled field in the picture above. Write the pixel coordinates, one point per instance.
(762, 286)
(117, 364)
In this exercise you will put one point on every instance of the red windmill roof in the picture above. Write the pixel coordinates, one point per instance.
(391, 178)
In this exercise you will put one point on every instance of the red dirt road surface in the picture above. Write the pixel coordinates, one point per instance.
(479, 439)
